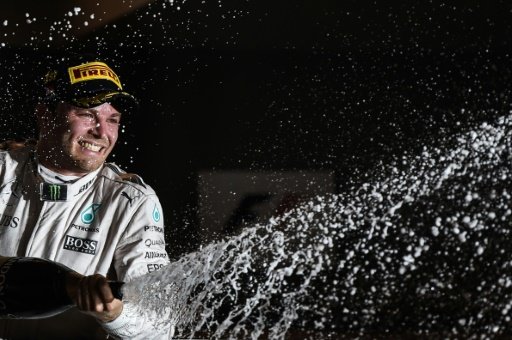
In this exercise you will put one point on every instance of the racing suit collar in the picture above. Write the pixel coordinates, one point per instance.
(62, 188)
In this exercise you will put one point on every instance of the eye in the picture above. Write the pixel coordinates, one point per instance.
(86, 114)
(115, 119)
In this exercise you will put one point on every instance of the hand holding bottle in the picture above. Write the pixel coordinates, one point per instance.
(93, 295)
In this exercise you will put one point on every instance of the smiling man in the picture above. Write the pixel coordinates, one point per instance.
(65, 203)
(80, 141)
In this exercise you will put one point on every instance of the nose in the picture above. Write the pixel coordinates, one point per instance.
(98, 129)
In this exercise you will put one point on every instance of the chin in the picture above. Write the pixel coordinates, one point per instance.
(88, 165)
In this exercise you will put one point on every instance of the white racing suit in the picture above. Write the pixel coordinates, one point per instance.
(102, 223)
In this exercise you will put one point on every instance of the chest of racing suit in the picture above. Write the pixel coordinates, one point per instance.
(101, 223)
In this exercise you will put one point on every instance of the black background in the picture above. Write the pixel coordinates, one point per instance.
(278, 85)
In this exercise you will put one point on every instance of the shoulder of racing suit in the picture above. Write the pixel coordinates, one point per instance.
(114, 173)
(16, 144)
(14, 153)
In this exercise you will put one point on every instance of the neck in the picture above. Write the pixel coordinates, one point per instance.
(46, 157)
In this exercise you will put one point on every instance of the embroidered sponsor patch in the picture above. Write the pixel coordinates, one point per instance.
(154, 267)
(91, 71)
(9, 221)
(89, 213)
(155, 255)
(86, 229)
(156, 214)
(81, 245)
(154, 228)
(53, 192)
(151, 242)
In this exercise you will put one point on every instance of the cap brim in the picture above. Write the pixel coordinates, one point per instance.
(122, 101)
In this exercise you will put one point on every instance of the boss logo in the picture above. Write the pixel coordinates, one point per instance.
(81, 245)
(9, 221)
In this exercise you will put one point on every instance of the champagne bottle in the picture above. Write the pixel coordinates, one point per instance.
(36, 288)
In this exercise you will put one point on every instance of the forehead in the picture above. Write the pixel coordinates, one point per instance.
(104, 109)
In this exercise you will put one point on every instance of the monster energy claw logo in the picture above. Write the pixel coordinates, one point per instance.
(53, 192)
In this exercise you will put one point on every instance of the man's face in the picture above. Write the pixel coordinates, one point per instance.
(85, 137)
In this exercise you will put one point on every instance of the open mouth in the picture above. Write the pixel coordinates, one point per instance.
(90, 146)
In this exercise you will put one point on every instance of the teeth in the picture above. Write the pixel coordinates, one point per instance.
(90, 146)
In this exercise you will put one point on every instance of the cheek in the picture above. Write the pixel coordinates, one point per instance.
(114, 134)
(73, 132)
(75, 128)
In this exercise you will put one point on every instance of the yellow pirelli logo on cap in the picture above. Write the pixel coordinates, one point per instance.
(91, 71)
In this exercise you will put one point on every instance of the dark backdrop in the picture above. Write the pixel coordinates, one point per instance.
(281, 85)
